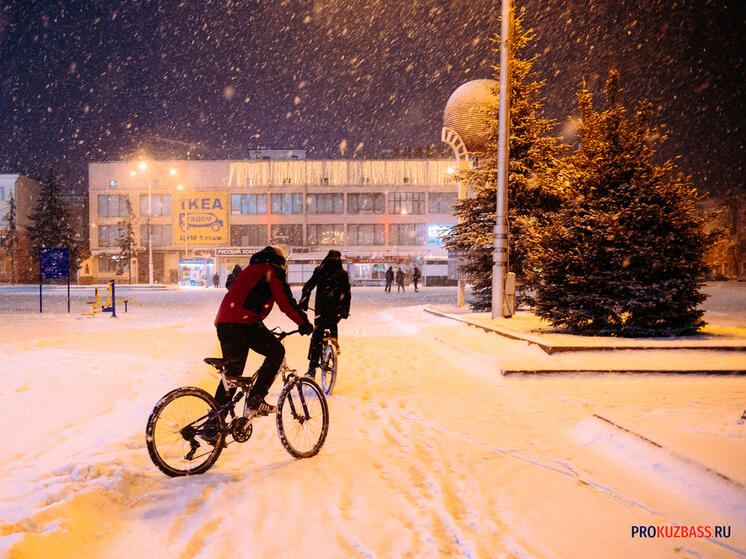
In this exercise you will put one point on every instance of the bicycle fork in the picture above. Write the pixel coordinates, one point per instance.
(306, 415)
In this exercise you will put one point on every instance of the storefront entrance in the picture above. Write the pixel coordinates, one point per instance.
(196, 272)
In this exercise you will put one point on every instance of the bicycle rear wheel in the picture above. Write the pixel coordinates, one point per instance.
(302, 418)
(185, 434)
(328, 368)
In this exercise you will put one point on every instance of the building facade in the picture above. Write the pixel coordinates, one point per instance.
(201, 218)
(727, 259)
(16, 259)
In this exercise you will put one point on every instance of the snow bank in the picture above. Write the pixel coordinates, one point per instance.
(430, 453)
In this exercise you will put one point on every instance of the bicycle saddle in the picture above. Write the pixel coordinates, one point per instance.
(217, 362)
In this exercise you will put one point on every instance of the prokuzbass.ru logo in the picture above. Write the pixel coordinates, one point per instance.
(701, 531)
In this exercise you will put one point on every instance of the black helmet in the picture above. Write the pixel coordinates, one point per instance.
(282, 260)
(272, 255)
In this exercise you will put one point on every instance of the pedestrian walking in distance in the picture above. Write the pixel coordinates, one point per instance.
(232, 277)
(399, 280)
(389, 279)
(416, 275)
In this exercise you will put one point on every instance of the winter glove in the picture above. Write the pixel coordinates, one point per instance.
(303, 304)
(305, 329)
(344, 315)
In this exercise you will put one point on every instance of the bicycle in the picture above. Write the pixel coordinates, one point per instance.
(182, 436)
(328, 360)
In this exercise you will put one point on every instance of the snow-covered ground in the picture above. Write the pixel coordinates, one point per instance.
(430, 453)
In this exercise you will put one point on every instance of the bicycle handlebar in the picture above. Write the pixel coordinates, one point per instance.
(280, 335)
(314, 310)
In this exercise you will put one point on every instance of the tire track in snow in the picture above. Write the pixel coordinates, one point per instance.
(555, 466)
(477, 362)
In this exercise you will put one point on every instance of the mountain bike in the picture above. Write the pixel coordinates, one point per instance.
(328, 362)
(187, 431)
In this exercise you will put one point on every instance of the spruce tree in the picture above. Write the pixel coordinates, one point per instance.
(126, 241)
(625, 255)
(533, 193)
(12, 237)
(51, 226)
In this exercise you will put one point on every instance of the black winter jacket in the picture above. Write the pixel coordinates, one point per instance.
(332, 289)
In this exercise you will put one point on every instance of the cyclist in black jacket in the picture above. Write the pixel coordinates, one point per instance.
(332, 286)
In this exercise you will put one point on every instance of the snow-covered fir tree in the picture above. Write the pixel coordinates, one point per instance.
(126, 241)
(51, 225)
(12, 239)
(625, 255)
(533, 192)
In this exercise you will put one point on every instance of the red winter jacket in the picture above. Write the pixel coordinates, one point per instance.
(253, 294)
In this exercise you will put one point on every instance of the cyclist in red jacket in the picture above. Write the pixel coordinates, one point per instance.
(240, 327)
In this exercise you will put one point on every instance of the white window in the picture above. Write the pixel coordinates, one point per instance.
(161, 235)
(407, 234)
(161, 204)
(287, 204)
(108, 235)
(325, 204)
(365, 234)
(365, 203)
(248, 204)
(112, 205)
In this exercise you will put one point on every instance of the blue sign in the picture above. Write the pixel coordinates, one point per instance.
(54, 263)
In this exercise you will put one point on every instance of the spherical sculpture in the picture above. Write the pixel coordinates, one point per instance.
(467, 112)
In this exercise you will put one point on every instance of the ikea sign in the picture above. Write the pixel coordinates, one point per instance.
(201, 218)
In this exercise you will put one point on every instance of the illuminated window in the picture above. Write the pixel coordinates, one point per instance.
(326, 234)
(406, 202)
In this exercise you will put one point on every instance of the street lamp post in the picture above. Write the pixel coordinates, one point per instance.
(451, 137)
(183, 211)
(500, 270)
(144, 167)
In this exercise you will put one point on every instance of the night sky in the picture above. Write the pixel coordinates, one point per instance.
(99, 79)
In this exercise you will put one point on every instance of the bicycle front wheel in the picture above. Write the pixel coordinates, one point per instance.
(328, 368)
(302, 418)
(185, 433)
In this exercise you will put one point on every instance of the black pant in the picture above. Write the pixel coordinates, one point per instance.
(235, 341)
(317, 338)
(388, 286)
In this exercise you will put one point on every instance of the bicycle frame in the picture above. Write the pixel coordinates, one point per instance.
(243, 387)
